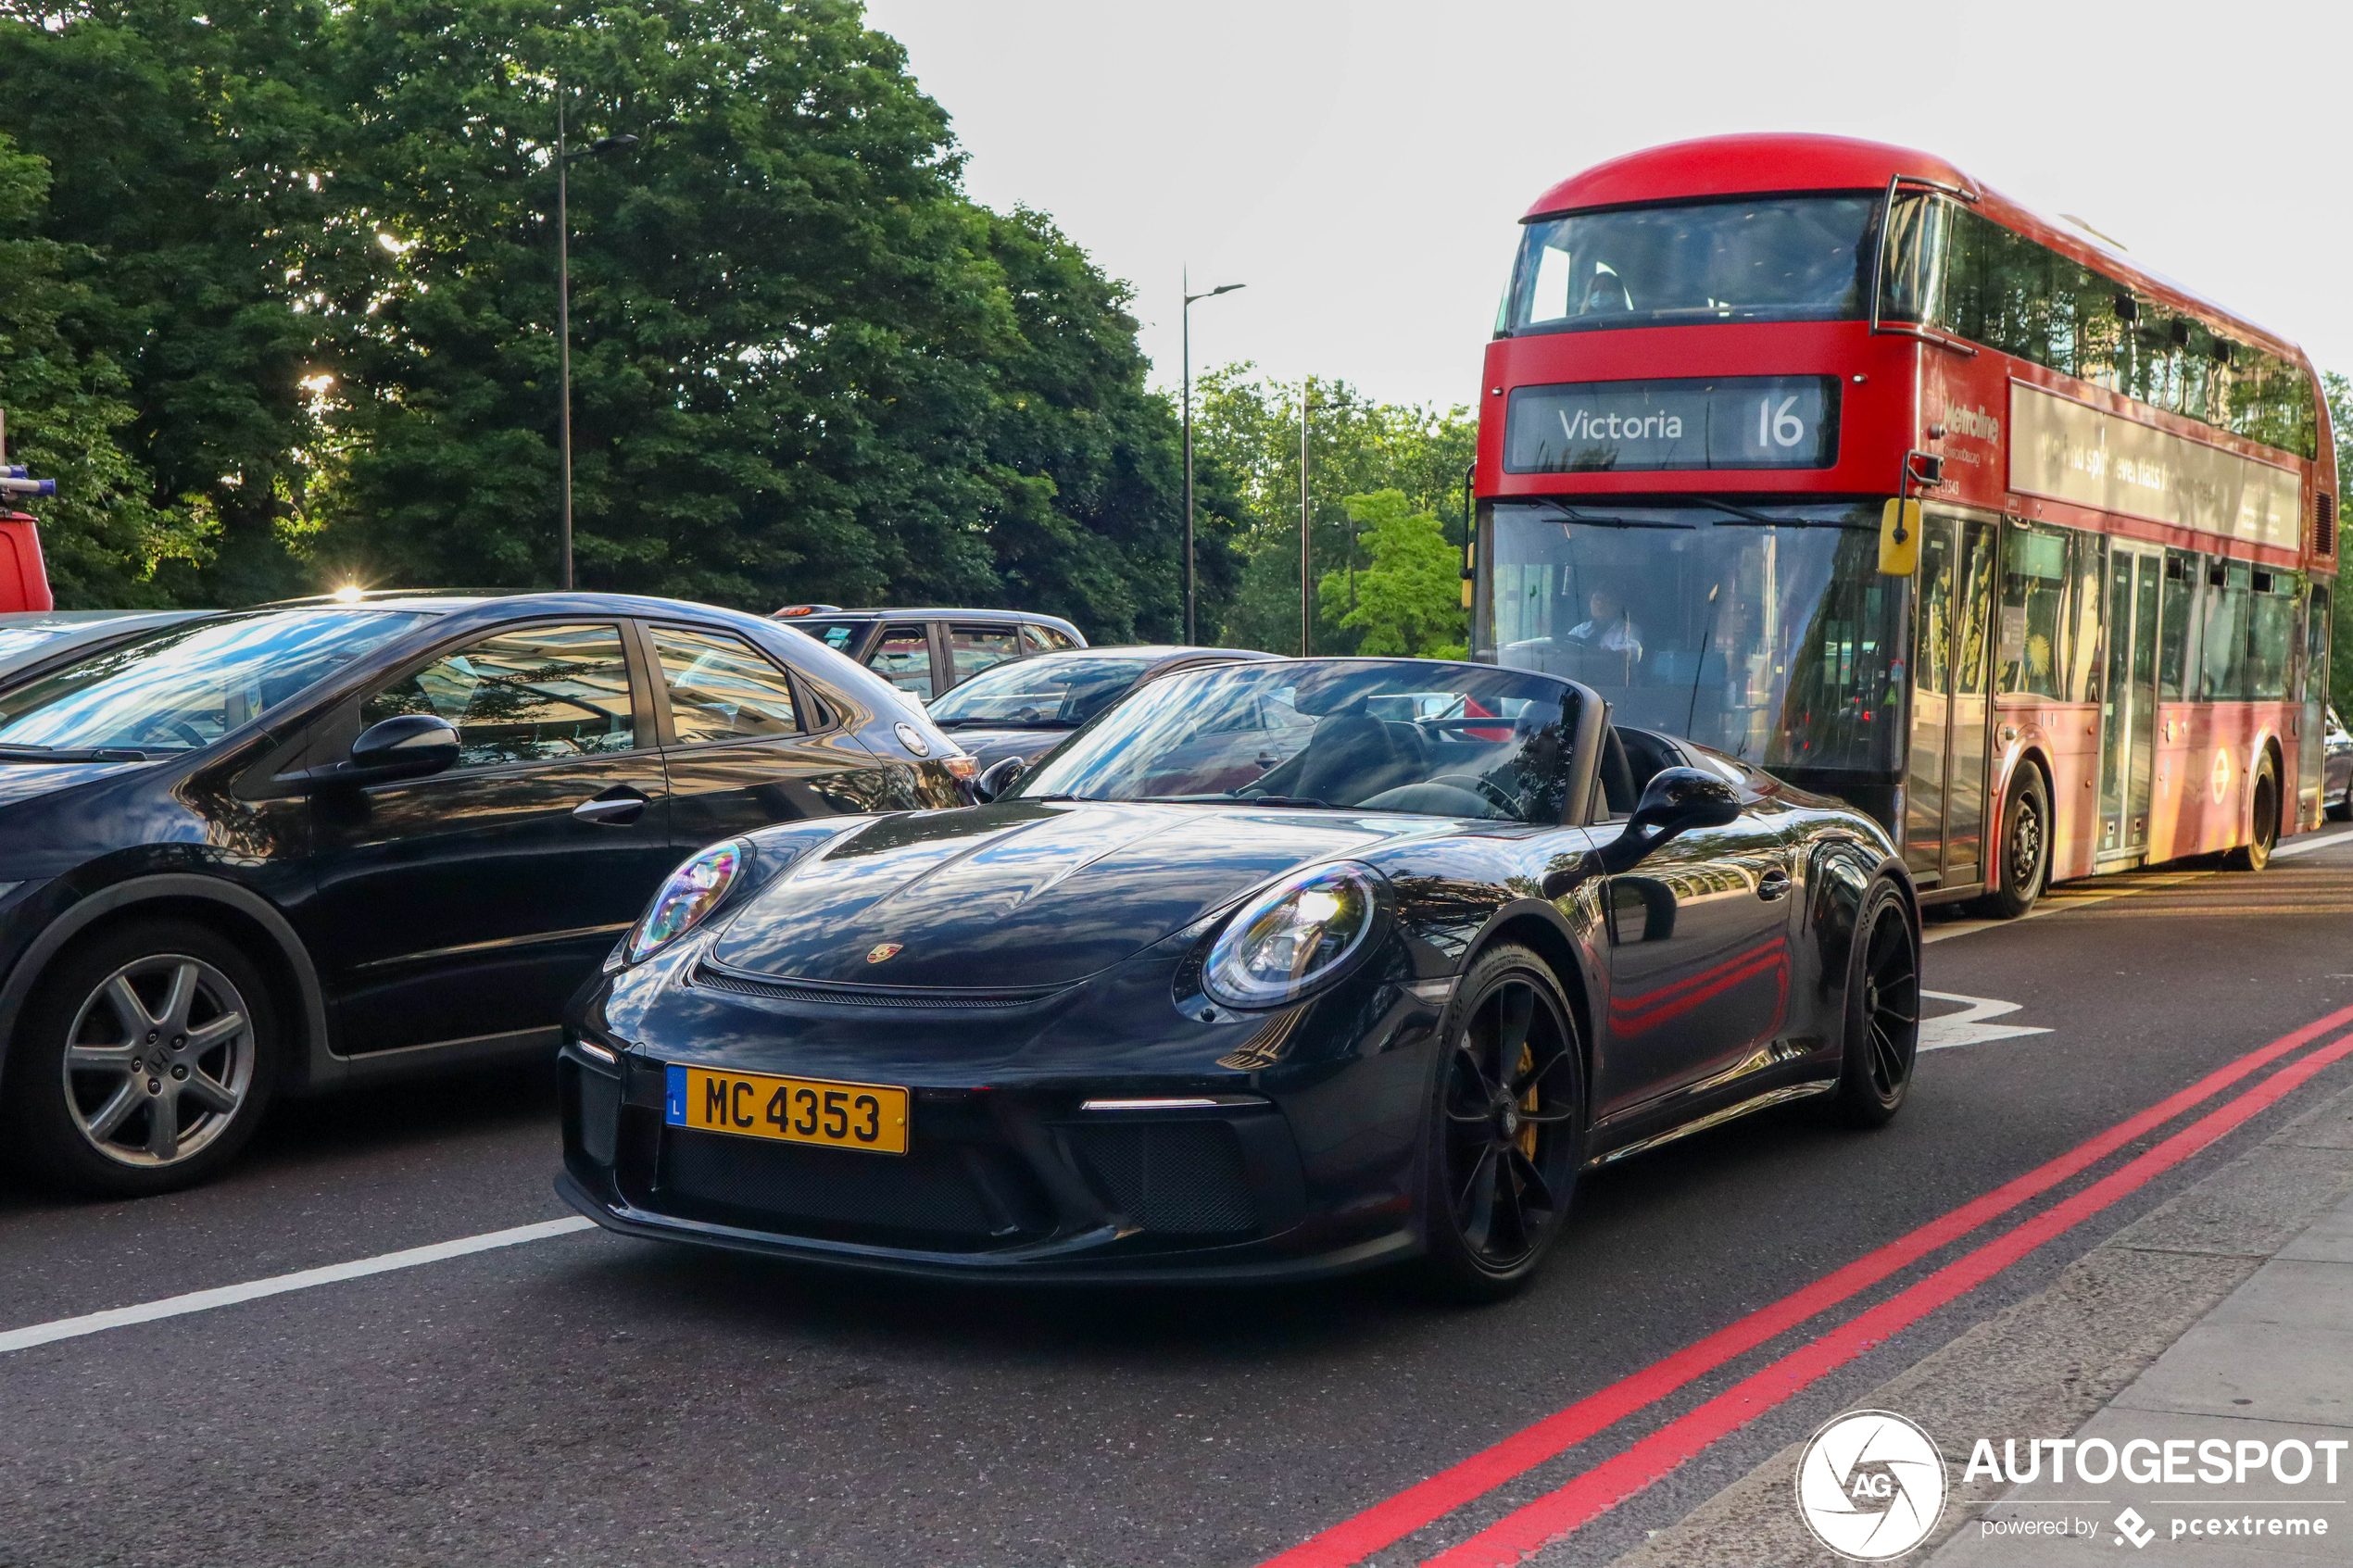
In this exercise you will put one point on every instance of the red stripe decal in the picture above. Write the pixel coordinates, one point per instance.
(1390, 1521)
(1612, 1482)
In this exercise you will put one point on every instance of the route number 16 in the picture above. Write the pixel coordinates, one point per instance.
(1779, 428)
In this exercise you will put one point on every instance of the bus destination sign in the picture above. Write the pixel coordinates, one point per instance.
(1717, 422)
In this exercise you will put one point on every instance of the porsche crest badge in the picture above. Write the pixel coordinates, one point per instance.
(882, 950)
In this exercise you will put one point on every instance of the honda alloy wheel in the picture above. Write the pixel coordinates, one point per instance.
(143, 1062)
(159, 1061)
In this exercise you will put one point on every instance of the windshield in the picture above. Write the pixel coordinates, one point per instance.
(1417, 735)
(1778, 645)
(839, 636)
(186, 685)
(1782, 259)
(1045, 693)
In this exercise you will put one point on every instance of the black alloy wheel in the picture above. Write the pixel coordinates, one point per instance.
(2264, 823)
(2023, 860)
(143, 1064)
(1506, 1129)
(1883, 1010)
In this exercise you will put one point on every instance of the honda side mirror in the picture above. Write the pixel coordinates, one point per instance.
(407, 747)
(1001, 776)
(1674, 802)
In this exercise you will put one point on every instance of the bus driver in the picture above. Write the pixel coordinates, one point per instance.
(1609, 630)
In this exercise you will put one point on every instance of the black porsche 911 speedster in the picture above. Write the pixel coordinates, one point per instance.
(1272, 970)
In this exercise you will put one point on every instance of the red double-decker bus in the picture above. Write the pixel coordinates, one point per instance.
(1823, 454)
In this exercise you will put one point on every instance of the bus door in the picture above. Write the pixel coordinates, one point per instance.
(2128, 699)
(1945, 778)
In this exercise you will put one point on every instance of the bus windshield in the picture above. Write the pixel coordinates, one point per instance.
(1777, 258)
(1775, 641)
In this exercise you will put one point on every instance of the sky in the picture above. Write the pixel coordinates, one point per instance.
(1362, 167)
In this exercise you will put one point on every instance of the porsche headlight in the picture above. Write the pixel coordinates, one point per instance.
(692, 892)
(1293, 938)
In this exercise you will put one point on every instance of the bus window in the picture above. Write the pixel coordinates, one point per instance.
(1779, 646)
(2086, 571)
(2270, 633)
(2223, 666)
(1787, 259)
(2176, 644)
(2316, 646)
(2032, 619)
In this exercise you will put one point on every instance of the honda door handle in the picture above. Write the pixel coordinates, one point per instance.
(1772, 885)
(617, 807)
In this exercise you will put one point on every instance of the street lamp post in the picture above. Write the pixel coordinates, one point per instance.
(598, 148)
(1306, 582)
(1191, 635)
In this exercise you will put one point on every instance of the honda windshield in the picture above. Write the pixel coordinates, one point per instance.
(186, 685)
(1414, 735)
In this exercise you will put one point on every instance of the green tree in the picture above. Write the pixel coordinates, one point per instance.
(2340, 401)
(101, 537)
(186, 145)
(1408, 596)
(1247, 432)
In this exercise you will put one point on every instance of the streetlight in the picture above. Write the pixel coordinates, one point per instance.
(598, 148)
(1191, 633)
(1306, 582)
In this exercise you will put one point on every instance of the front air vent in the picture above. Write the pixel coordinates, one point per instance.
(2324, 524)
(717, 979)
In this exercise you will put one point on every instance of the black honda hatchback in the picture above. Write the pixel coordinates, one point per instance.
(321, 844)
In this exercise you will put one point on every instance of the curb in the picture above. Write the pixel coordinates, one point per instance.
(2051, 1361)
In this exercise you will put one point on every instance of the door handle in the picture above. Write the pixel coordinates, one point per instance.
(1772, 885)
(617, 807)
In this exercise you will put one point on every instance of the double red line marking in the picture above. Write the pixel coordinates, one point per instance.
(1618, 1478)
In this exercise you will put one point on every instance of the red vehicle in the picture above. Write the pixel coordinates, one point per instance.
(24, 583)
(1823, 454)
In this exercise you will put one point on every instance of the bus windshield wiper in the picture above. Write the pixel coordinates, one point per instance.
(1593, 519)
(24, 751)
(1746, 515)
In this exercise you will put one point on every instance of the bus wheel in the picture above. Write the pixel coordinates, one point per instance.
(2024, 857)
(2263, 829)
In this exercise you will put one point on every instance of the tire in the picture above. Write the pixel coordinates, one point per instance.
(144, 1060)
(2024, 857)
(2264, 823)
(1883, 1029)
(1505, 1133)
(2341, 808)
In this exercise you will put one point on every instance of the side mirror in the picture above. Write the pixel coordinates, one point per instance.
(1001, 776)
(1675, 801)
(1899, 538)
(407, 747)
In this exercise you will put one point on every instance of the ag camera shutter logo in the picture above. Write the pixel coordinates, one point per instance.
(1870, 1486)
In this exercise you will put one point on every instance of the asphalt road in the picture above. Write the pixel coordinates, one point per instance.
(587, 1399)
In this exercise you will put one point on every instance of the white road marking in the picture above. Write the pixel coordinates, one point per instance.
(278, 1284)
(2306, 846)
(1967, 1027)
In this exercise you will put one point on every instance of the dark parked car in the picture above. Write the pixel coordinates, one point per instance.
(299, 847)
(1276, 969)
(924, 652)
(2336, 782)
(30, 637)
(1026, 708)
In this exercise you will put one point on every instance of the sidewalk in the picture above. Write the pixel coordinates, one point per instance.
(2273, 1363)
(2237, 1289)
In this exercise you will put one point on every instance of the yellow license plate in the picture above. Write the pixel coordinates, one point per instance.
(760, 1105)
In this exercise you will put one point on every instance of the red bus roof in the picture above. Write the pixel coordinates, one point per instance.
(1760, 162)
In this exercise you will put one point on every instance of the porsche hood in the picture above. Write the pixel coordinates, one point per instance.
(1021, 894)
